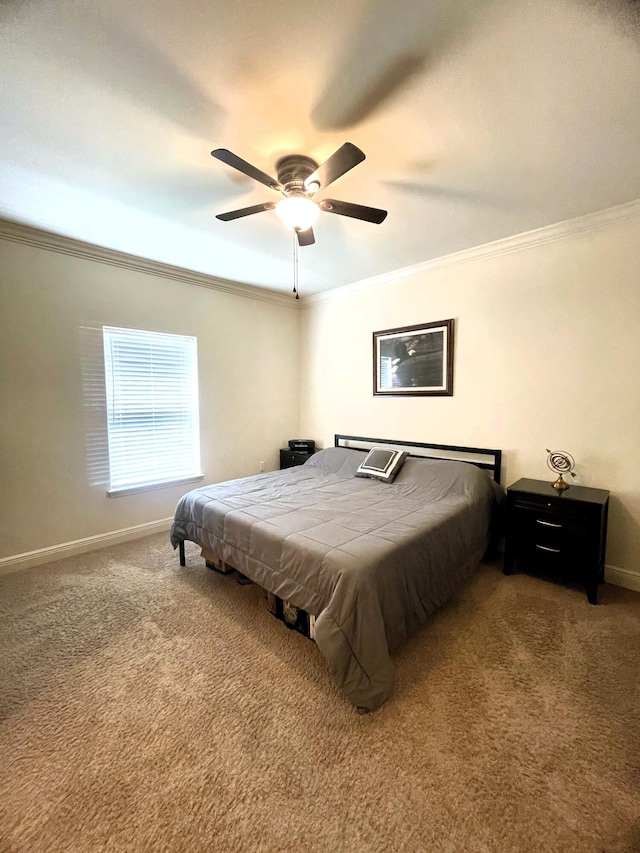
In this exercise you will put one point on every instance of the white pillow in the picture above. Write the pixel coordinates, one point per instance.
(382, 464)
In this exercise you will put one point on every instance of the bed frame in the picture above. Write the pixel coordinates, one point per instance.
(488, 460)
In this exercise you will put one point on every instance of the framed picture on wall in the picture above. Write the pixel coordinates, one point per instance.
(414, 361)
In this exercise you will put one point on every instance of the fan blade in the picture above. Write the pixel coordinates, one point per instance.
(306, 238)
(245, 211)
(356, 211)
(246, 168)
(345, 158)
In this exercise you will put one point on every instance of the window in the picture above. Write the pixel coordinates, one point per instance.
(152, 408)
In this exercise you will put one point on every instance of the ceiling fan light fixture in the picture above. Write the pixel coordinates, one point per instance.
(297, 212)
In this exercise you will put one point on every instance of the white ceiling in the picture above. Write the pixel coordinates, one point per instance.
(479, 120)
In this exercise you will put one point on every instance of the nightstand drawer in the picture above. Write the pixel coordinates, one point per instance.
(549, 531)
(550, 506)
(553, 552)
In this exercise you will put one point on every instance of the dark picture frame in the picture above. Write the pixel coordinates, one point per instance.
(414, 361)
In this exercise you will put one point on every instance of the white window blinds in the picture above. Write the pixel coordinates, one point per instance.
(152, 407)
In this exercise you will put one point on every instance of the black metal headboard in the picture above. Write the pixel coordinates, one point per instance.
(489, 460)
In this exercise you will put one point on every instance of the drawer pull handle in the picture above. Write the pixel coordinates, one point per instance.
(545, 548)
(547, 523)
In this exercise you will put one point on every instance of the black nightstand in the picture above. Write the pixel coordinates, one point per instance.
(289, 458)
(560, 532)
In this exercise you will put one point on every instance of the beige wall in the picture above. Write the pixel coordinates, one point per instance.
(547, 355)
(52, 307)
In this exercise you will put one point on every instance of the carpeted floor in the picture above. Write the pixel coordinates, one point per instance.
(144, 707)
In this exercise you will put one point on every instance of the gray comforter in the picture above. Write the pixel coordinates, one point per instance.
(370, 560)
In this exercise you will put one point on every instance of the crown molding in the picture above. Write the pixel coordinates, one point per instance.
(42, 239)
(519, 242)
(17, 233)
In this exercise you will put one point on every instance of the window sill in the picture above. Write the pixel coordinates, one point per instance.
(148, 487)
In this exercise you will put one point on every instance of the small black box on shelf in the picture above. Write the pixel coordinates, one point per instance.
(306, 445)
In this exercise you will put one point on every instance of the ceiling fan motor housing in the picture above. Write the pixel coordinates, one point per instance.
(293, 170)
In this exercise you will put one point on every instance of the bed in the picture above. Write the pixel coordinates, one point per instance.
(369, 559)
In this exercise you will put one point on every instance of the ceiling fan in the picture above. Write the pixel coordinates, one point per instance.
(299, 179)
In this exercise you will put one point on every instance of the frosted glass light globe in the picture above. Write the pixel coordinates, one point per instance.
(297, 212)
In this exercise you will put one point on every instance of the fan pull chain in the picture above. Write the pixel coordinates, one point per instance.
(295, 265)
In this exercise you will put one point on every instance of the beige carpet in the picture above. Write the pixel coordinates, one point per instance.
(146, 707)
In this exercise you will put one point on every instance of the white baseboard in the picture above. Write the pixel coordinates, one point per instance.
(622, 577)
(81, 546)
